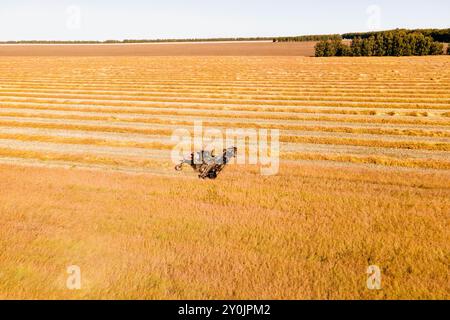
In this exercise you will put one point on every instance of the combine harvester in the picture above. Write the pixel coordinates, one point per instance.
(206, 164)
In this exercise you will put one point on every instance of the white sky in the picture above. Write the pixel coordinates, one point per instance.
(138, 19)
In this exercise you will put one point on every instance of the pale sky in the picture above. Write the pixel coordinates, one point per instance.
(139, 19)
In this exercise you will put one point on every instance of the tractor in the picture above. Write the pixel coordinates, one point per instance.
(207, 164)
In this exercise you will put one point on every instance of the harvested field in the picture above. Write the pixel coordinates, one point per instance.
(87, 180)
(386, 107)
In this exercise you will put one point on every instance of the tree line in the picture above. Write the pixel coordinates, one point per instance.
(323, 37)
(439, 35)
(388, 43)
(274, 39)
(135, 41)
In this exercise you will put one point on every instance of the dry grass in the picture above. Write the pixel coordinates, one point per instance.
(370, 159)
(158, 109)
(148, 237)
(251, 117)
(443, 146)
(87, 141)
(82, 159)
(129, 129)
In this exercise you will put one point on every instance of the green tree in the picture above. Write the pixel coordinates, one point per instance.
(379, 49)
(399, 44)
(320, 48)
(337, 47)
(368, 47)
(389, 44)
(356, 47)
(428, 42)
(409, 44)
(436, 49)
(330, 49)
(345, 50)
(420, 45)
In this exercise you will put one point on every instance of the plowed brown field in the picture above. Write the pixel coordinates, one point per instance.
(254, 48)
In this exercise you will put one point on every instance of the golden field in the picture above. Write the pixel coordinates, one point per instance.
(86, 178)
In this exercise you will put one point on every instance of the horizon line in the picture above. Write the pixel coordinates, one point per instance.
(209, 39)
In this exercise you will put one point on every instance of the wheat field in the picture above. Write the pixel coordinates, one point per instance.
(86, 178)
